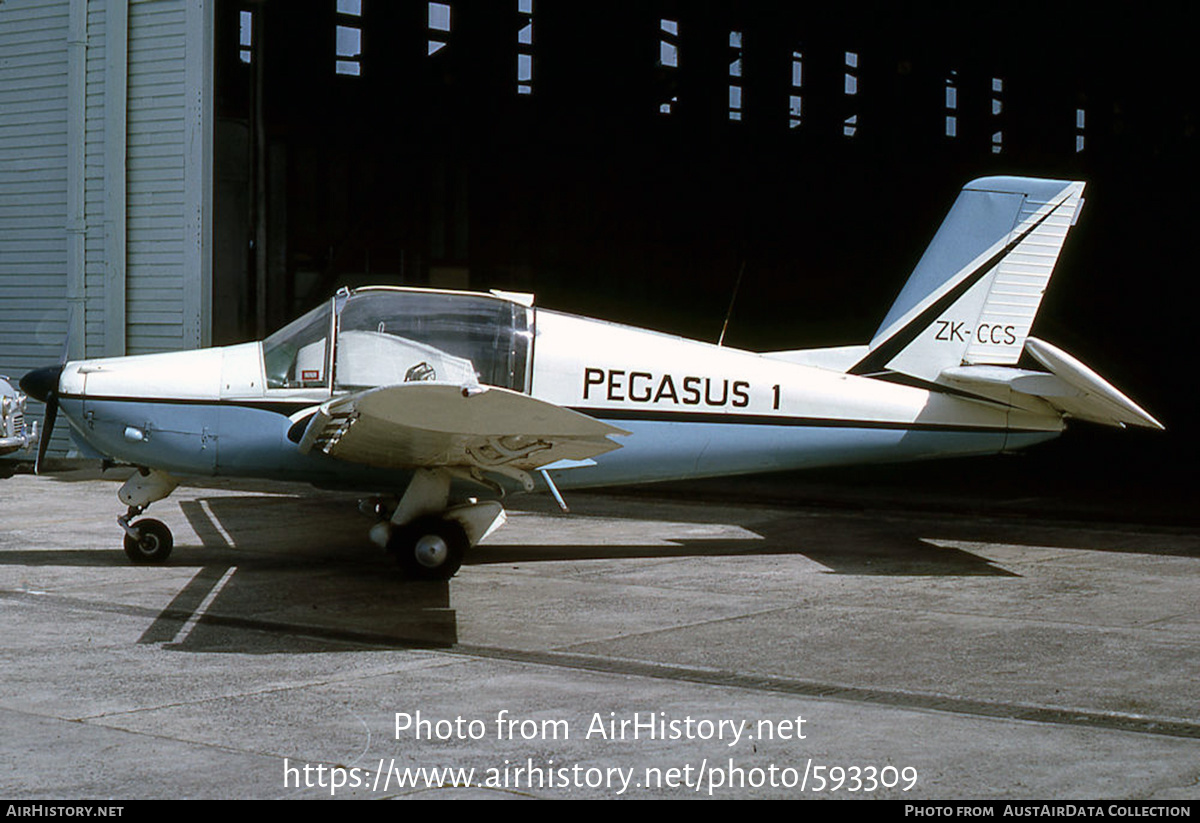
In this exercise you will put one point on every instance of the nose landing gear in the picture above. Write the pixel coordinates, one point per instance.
(147, 541)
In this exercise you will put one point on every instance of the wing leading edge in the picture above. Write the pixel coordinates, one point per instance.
(430, 425)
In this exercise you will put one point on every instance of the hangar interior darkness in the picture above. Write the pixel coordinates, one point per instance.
(628, 160)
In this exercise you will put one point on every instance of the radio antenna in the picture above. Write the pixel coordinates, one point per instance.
(732, 297)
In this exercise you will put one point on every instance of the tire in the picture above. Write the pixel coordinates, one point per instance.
(429, 548)
(153, 545)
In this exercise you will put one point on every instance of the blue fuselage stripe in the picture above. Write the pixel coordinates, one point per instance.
(238, 438)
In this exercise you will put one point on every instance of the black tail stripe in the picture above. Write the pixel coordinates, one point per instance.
(878, 358)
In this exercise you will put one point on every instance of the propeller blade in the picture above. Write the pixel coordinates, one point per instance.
(47, 430)
(42, 384)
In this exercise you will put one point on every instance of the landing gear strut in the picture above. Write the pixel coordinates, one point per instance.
(147, 541)
(428, 537)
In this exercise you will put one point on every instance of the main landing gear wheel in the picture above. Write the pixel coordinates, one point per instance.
(429, 548)
(153, 544)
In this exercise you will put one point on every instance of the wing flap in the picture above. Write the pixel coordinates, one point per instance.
(432, 424)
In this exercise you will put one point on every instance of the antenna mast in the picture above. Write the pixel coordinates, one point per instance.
(732, 297)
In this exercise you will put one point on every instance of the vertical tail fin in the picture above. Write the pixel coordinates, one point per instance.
(974, 294)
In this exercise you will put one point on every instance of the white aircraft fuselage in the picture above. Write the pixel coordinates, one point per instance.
(692, 409)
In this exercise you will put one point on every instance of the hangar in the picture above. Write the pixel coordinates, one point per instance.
(182, 173)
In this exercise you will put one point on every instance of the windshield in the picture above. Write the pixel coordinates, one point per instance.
(295, 356)
(393, 336)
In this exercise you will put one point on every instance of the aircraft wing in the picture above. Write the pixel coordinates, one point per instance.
(415, 425)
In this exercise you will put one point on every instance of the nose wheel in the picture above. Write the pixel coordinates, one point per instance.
(148, 541)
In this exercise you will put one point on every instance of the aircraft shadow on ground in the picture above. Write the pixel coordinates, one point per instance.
(238, 610)
(325, 533)
(292, 574)
(896, 556)
(331, 590)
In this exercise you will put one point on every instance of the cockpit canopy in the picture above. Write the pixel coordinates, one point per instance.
(387, 335)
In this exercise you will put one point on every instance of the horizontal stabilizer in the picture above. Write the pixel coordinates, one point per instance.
(1070, 388)
(1096, 398)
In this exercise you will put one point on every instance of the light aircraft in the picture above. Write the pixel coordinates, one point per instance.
(449, 400)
